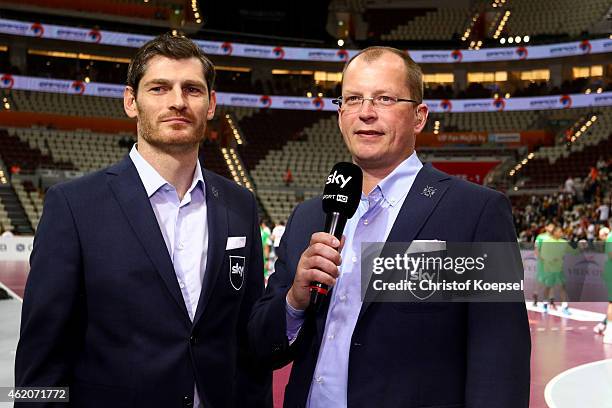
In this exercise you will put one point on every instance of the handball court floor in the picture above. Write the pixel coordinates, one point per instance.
(570, 366)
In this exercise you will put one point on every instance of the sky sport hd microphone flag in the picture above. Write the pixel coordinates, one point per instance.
(341, 197)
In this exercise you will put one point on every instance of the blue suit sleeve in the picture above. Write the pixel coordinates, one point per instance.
(52, 325)
(254, 382)
(268, 323)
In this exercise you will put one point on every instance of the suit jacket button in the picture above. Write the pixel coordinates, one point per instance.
(193, 340)
(276, 348)
(187, 402)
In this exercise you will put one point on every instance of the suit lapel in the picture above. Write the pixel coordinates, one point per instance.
(129, 191)
(217, 224)
(425, 193)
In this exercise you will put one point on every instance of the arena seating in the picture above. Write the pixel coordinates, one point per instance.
(271, 129)
(309, 160)
(553, 165)
(64, 104)
(25, 154)
(553, 16)
(81, 150)
(483, 121)
(441, 24)
(31, 201)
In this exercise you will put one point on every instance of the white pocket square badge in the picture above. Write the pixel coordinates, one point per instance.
(235, 242)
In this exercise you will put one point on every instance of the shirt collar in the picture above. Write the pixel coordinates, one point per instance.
(394, 187)
(152, 180)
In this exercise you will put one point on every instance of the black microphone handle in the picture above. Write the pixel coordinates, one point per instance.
(334, 225)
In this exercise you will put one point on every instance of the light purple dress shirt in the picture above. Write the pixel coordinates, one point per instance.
(372, 222)
(184, 228)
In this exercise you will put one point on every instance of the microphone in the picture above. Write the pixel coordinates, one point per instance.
(341, 197)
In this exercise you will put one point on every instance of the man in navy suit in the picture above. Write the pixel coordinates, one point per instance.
(352, 353)
(143, 275)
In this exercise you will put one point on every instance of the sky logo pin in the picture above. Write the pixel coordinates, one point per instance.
(236, 271)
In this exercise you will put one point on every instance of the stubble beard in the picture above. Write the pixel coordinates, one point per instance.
(149, 130)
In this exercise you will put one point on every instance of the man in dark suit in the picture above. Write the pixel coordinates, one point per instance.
(143, 275)
(352, 353)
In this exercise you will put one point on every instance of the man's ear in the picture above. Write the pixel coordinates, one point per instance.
(422, 111)
(212, 105)
(129, 102)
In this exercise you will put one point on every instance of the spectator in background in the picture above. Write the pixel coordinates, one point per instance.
(277, 233)
(14, 170)
(602, 328)
(601, 164)
(551, 252)
(603, 212)
(265, 243)
(546, 234)
(288, 177)
(569, 185)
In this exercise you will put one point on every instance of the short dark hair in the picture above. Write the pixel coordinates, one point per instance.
(414, 74)
(170, 46)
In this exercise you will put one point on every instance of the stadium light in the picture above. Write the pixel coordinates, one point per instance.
(510, 40)
(502, 41)
(340, 42)
(526, 38)
(517, 39)
(309, 94)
